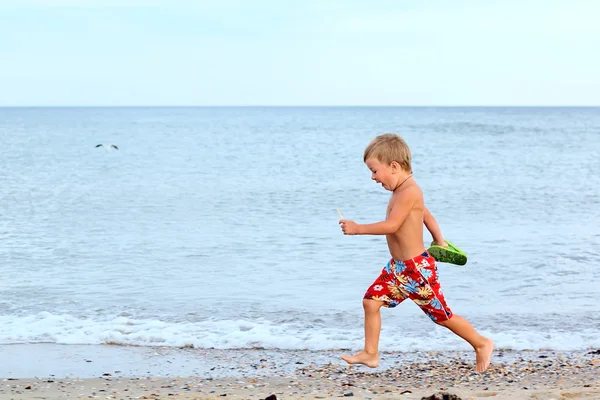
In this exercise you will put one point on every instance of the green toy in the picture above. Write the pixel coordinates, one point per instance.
(450, 254)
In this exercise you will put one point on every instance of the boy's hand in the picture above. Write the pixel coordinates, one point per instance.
(438, 243)
(349, 227)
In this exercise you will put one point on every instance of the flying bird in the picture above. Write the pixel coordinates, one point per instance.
(107, 148)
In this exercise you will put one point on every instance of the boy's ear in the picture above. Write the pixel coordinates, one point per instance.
(395, 166)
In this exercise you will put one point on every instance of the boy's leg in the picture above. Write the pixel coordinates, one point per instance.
(384, 292)
(370, 355)
(482, 345)
(430, 298)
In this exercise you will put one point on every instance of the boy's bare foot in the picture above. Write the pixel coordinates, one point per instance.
(370, 360)
(483, 356)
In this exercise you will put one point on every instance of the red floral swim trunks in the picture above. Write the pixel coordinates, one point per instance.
(414, 279)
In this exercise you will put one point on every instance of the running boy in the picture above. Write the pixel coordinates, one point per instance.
(411, 272)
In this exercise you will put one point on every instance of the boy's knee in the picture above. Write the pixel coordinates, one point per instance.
(372, 305)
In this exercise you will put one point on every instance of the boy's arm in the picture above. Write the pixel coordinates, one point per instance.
(433, 228)
(400, 210)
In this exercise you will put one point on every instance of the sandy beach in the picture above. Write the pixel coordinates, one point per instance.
(262, 374)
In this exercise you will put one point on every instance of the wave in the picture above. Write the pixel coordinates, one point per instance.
(67, 329)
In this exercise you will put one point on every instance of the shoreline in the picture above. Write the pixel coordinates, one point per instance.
(91, 361)
(117, 372)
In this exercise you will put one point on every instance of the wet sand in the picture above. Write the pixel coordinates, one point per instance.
(264, 374)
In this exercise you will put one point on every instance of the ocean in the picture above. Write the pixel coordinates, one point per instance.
(217, 226)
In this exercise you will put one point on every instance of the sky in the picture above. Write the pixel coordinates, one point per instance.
(299, 52)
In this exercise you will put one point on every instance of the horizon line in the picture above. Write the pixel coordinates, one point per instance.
(300, 106)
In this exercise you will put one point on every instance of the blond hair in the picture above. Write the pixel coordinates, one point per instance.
(387, 148)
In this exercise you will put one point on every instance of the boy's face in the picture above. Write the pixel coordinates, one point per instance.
(385, 174)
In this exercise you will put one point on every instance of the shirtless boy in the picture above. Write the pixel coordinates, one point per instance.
(411, 273)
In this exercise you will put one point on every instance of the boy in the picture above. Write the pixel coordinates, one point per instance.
(389, 159)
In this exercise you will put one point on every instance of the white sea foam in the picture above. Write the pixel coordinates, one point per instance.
(235, 334)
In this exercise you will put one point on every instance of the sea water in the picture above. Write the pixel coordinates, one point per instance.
(217, 227)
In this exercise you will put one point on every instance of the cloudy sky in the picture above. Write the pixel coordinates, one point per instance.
(299, 52)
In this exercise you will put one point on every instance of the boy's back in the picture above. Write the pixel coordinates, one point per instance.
(407, 241)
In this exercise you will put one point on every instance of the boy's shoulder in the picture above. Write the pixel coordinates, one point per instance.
(408, 195)
(410, 189)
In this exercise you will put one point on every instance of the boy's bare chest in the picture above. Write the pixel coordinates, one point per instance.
(389, 207)
(388, 210)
